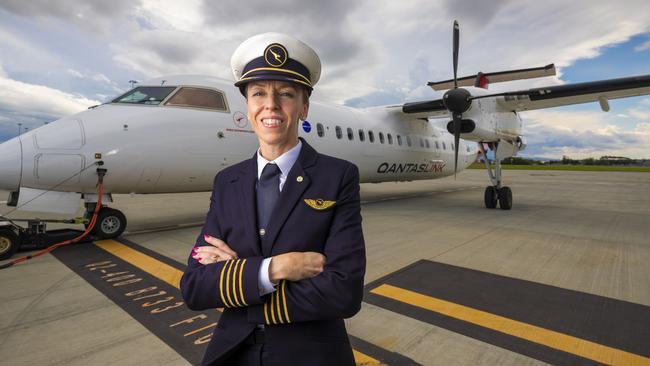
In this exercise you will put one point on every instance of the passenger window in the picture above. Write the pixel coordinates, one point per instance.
(399, 140)
(350, 134)
(198, 98)
(408, 140)
(444, 146)
(362, 136)
(320, 130)
(421, 142)
(339, 133)
(437, 146)
(426, 142)
(371, 136)
(390, 138)
(381, 137)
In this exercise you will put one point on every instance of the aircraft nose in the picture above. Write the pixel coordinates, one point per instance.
(10, 164)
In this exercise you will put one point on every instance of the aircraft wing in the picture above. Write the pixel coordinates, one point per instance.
(495, 77)
(554, 96)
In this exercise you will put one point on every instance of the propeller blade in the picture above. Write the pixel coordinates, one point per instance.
(456, 36)
(457, 120)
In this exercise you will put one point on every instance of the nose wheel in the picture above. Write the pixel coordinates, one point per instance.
(111, 223)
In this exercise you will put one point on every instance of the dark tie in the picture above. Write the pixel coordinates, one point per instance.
(268, 191)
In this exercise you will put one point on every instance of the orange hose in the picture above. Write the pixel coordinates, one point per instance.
(91, 225)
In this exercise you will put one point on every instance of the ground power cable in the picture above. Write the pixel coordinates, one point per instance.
(100, 192)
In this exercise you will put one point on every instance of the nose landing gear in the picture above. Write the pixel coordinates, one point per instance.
(111, 223)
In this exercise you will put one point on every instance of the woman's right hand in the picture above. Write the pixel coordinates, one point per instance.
(296, 266)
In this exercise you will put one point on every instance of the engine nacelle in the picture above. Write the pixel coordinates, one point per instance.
(485, 121)
(466, 126)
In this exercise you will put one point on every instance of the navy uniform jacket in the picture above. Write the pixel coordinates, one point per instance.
(304, 319)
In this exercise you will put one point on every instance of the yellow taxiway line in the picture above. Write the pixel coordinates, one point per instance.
(172, 276)
(546, 337)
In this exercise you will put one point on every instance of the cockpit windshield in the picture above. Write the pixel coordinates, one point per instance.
(151, 95)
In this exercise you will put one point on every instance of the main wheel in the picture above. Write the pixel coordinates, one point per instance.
(8, 243)
(490, 197)
(505, 198)
(110, 223)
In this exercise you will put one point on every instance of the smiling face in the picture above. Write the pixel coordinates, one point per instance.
(274, 108)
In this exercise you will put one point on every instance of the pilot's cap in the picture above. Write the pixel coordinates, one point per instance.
(275, 56)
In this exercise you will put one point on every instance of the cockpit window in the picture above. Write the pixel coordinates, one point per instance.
(198, 98)
(151, 95)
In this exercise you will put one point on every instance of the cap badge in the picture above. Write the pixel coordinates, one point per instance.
(319, 204)
(276, 55)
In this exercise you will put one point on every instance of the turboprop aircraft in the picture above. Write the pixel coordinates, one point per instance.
(174, 133)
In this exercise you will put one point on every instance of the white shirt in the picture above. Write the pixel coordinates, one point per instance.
(285, 163)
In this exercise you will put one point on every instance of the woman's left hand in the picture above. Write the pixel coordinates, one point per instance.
(217, 251)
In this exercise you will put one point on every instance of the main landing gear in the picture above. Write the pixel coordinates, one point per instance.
(111, 223)
(496, 193)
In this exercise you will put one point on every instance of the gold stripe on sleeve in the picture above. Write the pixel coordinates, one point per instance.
(241, 287)
(266, 312)
(221, 285)
(228, 282)
(272, 312)
(234, 282)
(277, 307)
(284, 302)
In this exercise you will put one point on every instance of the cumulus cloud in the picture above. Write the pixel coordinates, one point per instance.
(643, 46)
(23, 100)
(95, 15)
(553, 134)
(372, 53)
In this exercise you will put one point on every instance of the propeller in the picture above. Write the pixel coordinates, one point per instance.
(456, 100)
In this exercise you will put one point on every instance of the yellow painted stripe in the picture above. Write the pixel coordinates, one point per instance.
(546, 337)
(362, 359)
(241, 287)
(172, 276)
(156, 268)
(284, 302)
(234, 282)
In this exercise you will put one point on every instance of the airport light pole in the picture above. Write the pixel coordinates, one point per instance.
(19, 128)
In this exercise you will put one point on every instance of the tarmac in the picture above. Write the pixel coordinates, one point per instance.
(562, 278)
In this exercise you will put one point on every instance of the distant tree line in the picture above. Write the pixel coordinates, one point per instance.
(603, 160)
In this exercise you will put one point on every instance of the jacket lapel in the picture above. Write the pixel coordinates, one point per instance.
(292, 191)
(247, 200)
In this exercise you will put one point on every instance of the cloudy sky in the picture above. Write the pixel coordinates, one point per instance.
(59, 57)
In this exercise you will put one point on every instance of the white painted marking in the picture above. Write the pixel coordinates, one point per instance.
(3, 202)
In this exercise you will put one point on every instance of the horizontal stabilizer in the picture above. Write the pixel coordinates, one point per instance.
(495, 77)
